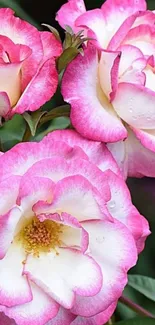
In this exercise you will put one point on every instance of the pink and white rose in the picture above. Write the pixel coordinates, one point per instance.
(27, 65)
(112, 88)
(68, 232)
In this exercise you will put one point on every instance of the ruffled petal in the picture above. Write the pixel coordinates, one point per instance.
(120, 207)
(7, 186)
(14, 288)
(57, 168)
(73, 234)
(29, 313)
(94, 22)
(51, 46)
(64, 317)
(91, 115)
(139, 103)
(115, 256)
(33, 97)
(117, 11)
(143, 38)
(118, 151)
(108, 72)
(16, 161)
(129, 54)
(21, 32)
(63, 281)
(96, 151)
(76, 196)
(141, 161)
(8, 223)
(98, 319)
(146, 137)
(32, 190)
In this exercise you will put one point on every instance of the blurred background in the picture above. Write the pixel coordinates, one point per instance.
(142, 190)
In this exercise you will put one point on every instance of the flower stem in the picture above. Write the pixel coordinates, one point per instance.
(135, 307)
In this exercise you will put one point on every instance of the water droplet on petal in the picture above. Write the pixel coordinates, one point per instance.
(148, 118)
(134, 118)
(100, 239)
(112, 204)
(130, 110)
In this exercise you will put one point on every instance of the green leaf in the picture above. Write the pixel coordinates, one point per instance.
(63, 110)
(12, 132)
(54, 31)
(138, 321)
(69, 29)
(66, 57)
(68, 41)
(58, 123)
(143, 284)
(33, 120)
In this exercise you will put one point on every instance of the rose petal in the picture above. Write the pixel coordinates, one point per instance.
(98, 319)
(63, 281)
(76, 196)
(68, 13)
(57, 168)
(139, 103)
(91, 115)
(14, 288)
(108, 72)
(64, 317)
(115, 256)
(51, 46)
(33, 97)
(21, 32)
(141, 161)
(96, 151)
(29, 313)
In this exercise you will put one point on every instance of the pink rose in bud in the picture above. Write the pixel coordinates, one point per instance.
(112, 88)
(27, 65)
(69, 232)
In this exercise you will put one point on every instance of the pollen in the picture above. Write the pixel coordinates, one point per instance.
(39, 236)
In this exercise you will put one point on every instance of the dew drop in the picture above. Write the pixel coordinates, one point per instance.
(148, 118)
(112, 204)
(130, 110)
(100, 240)
(134, 118)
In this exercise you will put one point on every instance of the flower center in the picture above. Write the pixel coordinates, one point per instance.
(39, 236)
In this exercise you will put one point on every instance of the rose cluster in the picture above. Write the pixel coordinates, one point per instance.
(111, 88)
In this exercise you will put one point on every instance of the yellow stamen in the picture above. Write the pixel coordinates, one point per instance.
(39, 236)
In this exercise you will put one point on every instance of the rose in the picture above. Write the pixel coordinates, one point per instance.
(66, 227)
(27, 65)
(111, 89)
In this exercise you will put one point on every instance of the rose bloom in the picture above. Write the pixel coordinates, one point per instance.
(112, 88)
(69, 232)
(27, 65)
